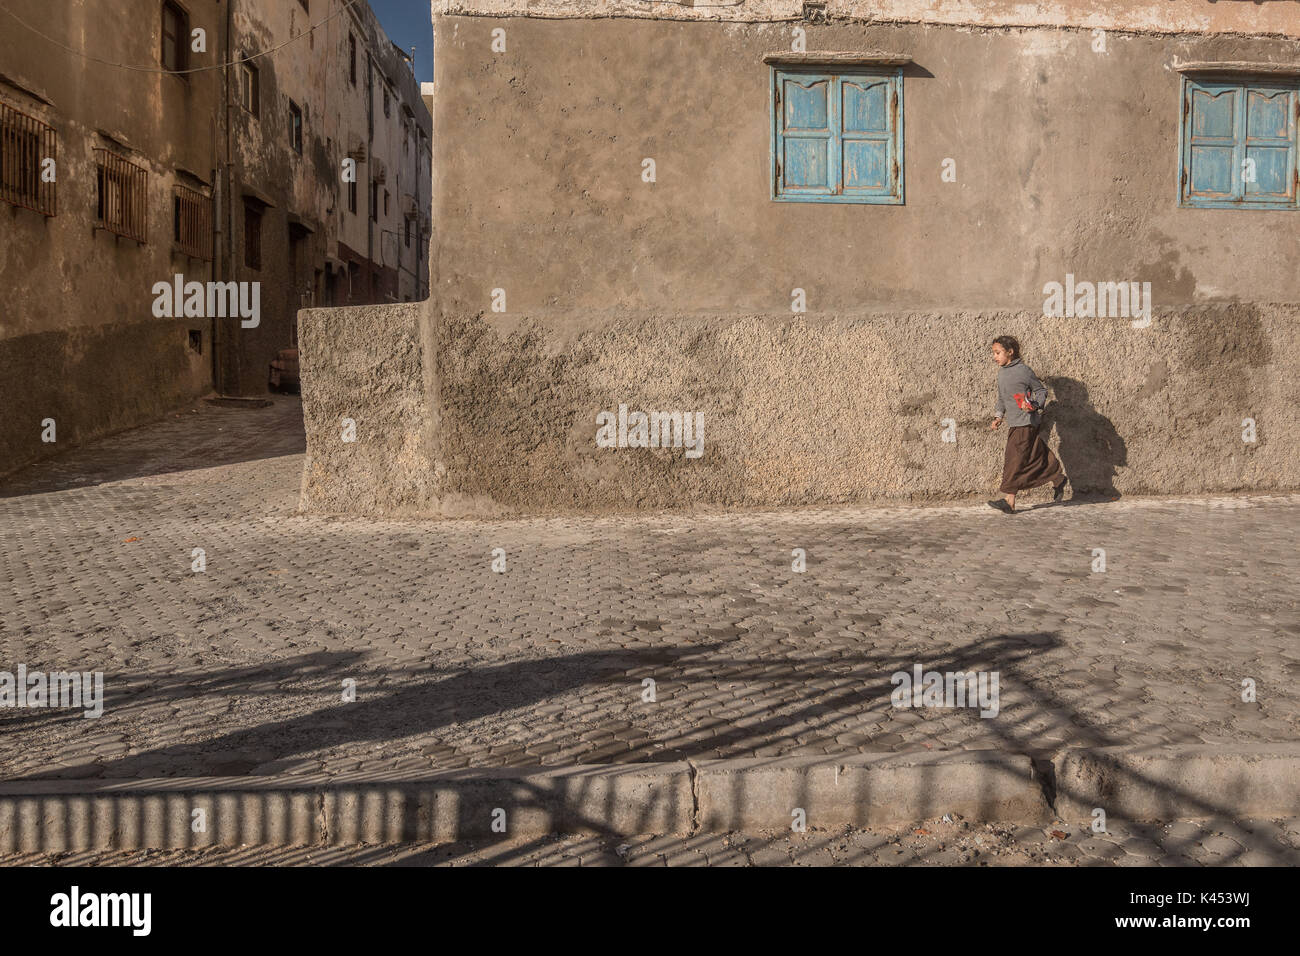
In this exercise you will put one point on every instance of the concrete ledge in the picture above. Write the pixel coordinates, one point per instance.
(1163, 783)
(1136, 16)
(871, 790)
(1166, 783)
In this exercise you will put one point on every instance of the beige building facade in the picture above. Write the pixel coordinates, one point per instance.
(803, 224)
(142, 140)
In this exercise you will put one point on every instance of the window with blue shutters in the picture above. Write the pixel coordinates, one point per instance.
(837, 136)
(1239, 143)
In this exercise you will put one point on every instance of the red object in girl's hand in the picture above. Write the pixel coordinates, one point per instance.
(1023, 401)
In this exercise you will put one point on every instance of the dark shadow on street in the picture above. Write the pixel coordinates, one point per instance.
(199, 435)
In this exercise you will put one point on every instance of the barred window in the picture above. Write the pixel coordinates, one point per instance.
(25, 145)
(192, 223)
(122, 187)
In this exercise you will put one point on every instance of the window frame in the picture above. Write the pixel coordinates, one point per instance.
(296, 123)
(836, 73)
(250, 88)
(182, 38)
(254, 215)
(1246, 82)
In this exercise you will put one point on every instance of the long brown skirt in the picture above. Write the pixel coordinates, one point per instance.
(1029, 461)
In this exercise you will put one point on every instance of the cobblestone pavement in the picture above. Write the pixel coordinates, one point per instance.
(240, 669)
(935, 843)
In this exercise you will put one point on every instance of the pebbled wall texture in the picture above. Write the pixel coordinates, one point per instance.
(675, 295)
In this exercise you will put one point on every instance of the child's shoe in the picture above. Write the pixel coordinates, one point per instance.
(1058, 492)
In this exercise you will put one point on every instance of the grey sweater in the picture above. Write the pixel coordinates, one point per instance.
(1013, 378)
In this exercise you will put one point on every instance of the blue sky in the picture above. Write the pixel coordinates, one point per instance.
(409, 23)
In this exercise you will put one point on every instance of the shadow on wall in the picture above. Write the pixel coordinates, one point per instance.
(1090, 447)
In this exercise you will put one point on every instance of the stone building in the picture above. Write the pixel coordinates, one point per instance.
(130, 153)
(803, 223)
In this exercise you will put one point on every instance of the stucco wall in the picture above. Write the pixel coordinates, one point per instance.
(363, 372)
(823, 407)
(1066, 162)
(78, 339)
(675, 295)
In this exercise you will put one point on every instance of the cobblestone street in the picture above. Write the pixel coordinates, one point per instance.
(240, 669)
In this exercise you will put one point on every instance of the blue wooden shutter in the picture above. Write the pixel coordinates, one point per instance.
(1233, 128)
(837, 137)
(807, 161)
(1270, 140)
(868, 110)
(1212, 156)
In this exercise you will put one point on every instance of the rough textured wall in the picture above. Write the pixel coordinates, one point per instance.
(824, 407)
(848, 407)
(366, 364)
(675, 295)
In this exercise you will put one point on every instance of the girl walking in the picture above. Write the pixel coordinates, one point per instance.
(1029, 462)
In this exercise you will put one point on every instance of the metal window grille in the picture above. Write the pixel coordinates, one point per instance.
(122, 194)
(193, 223)
(25, 144)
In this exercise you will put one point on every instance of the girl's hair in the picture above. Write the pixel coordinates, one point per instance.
(1009, 343)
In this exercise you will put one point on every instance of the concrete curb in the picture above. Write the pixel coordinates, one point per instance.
(870, 790)
(622, 800)
(1169, 783)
